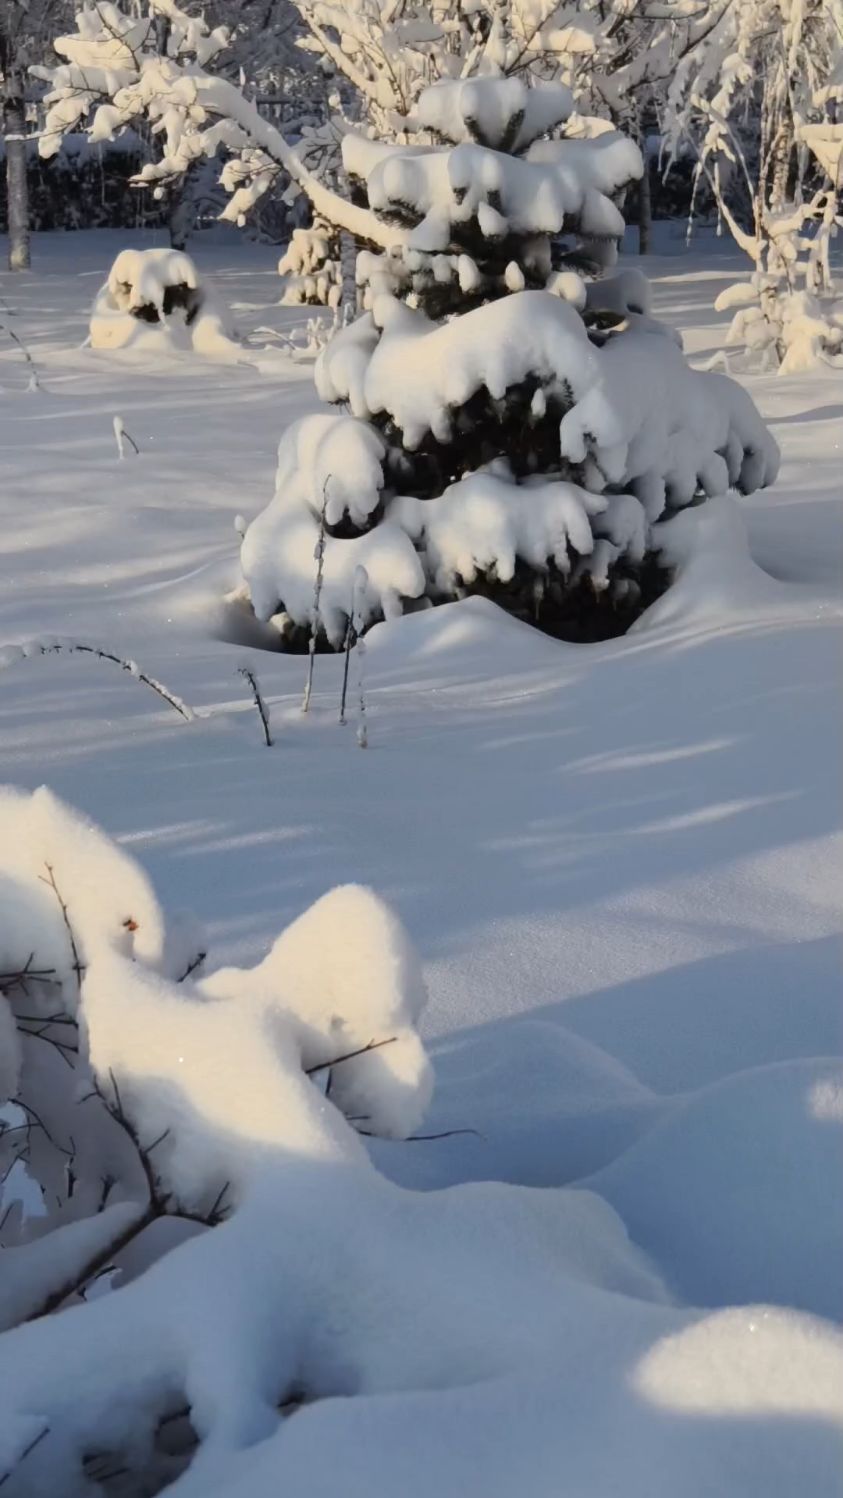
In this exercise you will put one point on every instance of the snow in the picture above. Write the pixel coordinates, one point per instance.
(418, 369)
(620, 864)
(446, 192)
(484, 523)
(140, 280)
(480, 109)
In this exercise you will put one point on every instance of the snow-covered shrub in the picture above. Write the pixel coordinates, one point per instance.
(515, 425)
(756, 95)
(155, 299)
(271, 1310)
(312, 266)
(108, 1043)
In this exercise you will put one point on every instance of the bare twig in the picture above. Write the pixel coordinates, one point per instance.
(192, 966)
(122, 437)
(348, 646)
(51, 881)
(75, 647)
(34, 382)
(249, 676)
(319, 557)
(374, 1045)
(24, 1454)
(11, 981)
(97, 1262)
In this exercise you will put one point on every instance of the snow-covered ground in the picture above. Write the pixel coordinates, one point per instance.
(621, 864)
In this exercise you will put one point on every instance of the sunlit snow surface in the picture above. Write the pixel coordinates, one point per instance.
(619, 863)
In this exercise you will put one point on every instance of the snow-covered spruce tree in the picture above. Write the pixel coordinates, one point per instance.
(515, 426)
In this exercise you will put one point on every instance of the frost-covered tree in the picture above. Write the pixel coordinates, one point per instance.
(757, 96)
(26, 30)
(167, 69)
(517, 425)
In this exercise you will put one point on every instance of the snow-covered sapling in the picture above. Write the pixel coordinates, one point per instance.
(515, 423)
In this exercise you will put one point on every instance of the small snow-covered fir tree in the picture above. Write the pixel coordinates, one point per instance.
(515, 426)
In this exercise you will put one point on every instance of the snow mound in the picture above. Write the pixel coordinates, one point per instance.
(628, 416)
(532, 1104)
(153, 300)
(47, 851)
(736, 1193)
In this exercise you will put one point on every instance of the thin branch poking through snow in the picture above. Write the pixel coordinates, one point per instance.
(192, 967)
(349, 645)
(361, 581)
(319, 557)
(27, 974)
(24, 1454)
(74, 647)
(51, 881)
(374, 1045)
(34, 382)
(249, 675)
(98, 1261)
(122, 437)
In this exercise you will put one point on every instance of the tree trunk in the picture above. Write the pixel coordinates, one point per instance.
(14, 130)
(348, 261)
(185, 206)
(645, 210)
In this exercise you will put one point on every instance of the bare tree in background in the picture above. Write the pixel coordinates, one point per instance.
(26, 31)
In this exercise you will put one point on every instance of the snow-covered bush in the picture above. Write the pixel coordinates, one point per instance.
(312, 267)
(756, 95)
(140, 1104)
(515, 426)
(155, 299)
(247, 1307)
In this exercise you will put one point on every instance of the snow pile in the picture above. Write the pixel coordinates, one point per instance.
(153, 300)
